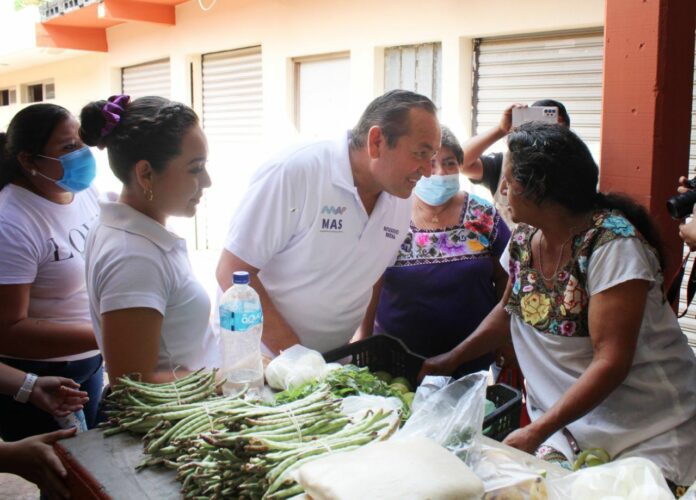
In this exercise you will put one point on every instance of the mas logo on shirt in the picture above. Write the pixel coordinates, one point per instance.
(331, 220)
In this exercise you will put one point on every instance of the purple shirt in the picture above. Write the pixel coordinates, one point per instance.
(441, 286)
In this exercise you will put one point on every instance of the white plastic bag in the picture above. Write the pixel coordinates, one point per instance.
(631, 478)
(295, 366)
(449, 414)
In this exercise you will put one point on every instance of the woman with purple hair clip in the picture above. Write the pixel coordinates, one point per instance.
(150, 315)
(47, 206)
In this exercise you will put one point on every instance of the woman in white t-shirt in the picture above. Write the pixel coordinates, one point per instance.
(46, 209)
(605, 361)
(150, 315)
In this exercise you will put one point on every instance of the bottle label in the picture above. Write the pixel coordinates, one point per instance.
(240, 321)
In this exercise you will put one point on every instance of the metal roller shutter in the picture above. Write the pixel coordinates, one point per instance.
(147, 79)
(566, 67)
(688, 322)
(233, 124)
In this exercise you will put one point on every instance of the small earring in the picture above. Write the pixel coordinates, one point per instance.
(149, 195)
(33, 172)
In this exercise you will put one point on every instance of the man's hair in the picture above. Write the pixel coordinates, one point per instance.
(449, 140)
(390, 113)
(561, 109)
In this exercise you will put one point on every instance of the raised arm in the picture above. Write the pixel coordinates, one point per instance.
(277, 333)
(478, 144)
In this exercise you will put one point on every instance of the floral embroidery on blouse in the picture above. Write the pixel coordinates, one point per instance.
(560, 308)
(473, 237)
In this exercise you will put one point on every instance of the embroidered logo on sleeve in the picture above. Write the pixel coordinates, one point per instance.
(390, 232)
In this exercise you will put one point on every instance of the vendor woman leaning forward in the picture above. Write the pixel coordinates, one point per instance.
(602, 352)
(320, 224)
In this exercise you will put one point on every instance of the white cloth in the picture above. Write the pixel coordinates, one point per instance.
(302, 223)
(133, 261)
(42, 244)
(652, 414)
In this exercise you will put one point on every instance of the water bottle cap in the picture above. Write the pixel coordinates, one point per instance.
(240, 278)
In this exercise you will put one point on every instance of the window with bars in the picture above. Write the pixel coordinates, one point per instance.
(415, 67)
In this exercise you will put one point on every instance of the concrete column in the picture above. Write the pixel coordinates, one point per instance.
(646, 116)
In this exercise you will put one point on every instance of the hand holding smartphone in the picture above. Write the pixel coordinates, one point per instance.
(547, 114)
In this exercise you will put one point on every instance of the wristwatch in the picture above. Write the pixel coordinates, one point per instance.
(24, 392)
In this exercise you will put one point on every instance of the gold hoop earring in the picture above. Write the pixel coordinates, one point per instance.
(149, 195)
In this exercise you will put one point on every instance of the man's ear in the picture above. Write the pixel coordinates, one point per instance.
(144, 174)
(375, 142)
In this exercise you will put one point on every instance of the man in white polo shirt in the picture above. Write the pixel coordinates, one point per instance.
(320, 224)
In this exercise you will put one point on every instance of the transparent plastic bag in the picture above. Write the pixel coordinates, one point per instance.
(506, 474)
(295, 366)
(451, 414)
(631, 478)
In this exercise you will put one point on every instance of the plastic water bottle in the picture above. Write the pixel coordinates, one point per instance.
(241, 324)
(75, 419)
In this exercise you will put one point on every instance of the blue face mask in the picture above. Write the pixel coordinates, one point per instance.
(436, 190)
(79, 170)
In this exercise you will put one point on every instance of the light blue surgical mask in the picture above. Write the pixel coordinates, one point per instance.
(437, 190)
(79, 170)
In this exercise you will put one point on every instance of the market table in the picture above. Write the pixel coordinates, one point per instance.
(103, 468)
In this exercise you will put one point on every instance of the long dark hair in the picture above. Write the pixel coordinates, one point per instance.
(553, 164)
(150, 128)
(28, 132)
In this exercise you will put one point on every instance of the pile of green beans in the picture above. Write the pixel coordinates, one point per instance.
(229, 447)
(139, 407)
(254, 456)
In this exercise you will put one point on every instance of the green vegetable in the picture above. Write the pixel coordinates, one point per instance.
(384, 376)
(591, 457)
(403, 381)
(403, 389)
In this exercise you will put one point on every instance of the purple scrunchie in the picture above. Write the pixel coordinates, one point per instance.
(112, 111)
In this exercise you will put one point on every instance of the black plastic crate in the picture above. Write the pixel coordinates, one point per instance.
(381, 353)
(506, 416)
(387, 353)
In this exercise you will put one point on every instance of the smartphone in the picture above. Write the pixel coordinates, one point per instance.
(547, 114)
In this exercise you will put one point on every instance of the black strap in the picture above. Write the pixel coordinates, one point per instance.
(690, 287)
(674, 288)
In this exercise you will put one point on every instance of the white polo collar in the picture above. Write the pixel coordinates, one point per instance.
(126, 218)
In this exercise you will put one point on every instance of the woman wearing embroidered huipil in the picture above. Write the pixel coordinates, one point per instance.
(605, 361)
(450, 257)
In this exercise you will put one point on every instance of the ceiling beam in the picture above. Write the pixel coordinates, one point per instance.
(70, 37)
(128, 10)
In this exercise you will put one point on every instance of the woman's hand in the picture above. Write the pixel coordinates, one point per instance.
(525, 439)
(58, 396)
(35, 460)
(443, 364)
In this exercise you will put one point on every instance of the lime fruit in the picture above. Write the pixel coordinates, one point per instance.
(408, 398)
(384, 376)
(403, 381)
(399, 387)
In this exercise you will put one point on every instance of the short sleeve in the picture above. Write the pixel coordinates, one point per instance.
(133, 281)
(268, 215)
(502, 236)
(618, 261)
(20, 256)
